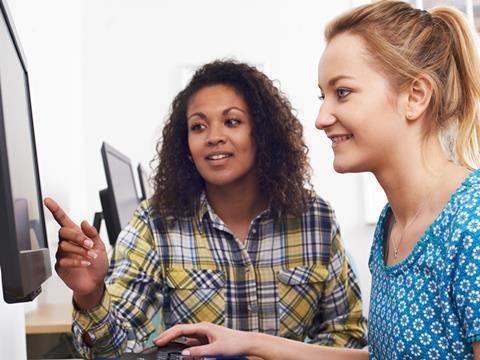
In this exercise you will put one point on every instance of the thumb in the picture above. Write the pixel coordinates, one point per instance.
(90, 231)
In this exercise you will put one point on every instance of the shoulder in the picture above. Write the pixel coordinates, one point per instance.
(462, 213)
(146, 222)
(317, 204)
(457, 230)
(319, 213)
(468, 194)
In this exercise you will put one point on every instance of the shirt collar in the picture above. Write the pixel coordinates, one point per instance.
(205, 209)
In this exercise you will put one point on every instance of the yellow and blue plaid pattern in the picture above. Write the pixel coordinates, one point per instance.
(290, 278)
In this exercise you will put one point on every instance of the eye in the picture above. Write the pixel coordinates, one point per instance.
(321, 97)
(343, 92)
(232, 122)
(197, 127)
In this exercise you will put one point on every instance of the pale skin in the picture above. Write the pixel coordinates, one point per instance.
(219, 124)
(373, 129)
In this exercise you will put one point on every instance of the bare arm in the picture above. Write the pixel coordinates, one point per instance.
(271, 347)
(476, 350)
(209, 339)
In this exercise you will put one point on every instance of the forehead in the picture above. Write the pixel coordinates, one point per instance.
(217, 96)
(346, 55)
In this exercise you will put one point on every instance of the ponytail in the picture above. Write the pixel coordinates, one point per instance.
(461, 132)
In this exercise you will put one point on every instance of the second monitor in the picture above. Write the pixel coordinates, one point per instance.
(147, 191)
(120, 199)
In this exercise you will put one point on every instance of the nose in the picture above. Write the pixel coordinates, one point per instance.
(216, 135)
(325, 118)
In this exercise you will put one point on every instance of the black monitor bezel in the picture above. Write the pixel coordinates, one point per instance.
(23, 272)
(143, 186)
(107, 196)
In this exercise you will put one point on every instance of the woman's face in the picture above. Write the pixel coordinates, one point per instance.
(220, 136)
(359, 110)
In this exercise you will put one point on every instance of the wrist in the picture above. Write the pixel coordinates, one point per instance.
(90, 300)
(254, 343)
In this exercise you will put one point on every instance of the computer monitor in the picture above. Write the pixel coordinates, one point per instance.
(120, 199)
(24, 254)
(147, 191)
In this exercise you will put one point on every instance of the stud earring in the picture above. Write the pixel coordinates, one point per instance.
(409, 115)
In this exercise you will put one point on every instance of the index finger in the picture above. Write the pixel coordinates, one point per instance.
(179, 330)
(60, 216)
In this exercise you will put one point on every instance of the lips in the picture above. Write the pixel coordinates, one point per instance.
(336, 139)
(218, 156)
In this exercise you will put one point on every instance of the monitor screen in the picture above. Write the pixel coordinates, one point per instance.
(121, 192)
(25, 261)
(147, 191)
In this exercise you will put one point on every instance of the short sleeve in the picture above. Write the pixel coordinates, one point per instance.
(466, 277)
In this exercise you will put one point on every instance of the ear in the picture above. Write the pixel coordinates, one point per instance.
(419, 95)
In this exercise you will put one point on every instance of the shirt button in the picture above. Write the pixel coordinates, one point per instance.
(254, 231)
(252, 307)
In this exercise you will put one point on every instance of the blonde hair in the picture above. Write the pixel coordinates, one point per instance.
(406, 43)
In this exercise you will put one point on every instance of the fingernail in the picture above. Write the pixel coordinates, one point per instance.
(85, 263)
(92, 254)
(88, 243)
(186, 353)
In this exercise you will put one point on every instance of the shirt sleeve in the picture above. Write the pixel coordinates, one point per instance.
(122, 322)
(340, 321)
(466, 279)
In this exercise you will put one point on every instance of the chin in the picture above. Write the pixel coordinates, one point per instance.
(219, 180)
(340, 167)
(343, 167)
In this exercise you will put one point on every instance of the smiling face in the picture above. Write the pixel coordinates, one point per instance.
(359, 109)
(220, 136)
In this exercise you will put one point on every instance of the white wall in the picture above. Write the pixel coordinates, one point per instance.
(12, 329)
(107, 70)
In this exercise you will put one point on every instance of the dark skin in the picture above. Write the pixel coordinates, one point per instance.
(220, 125)
(82, 261)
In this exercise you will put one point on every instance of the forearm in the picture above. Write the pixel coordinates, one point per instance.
(102, 331)
(107, 339)
(275, 348)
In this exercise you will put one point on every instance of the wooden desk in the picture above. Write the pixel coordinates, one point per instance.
(49, 319)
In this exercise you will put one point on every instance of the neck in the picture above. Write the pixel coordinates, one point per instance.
(419, 178)
(236, 203)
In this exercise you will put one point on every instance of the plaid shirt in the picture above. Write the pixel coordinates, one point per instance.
(290, 278)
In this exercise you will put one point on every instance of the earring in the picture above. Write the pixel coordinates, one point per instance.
(409, 115)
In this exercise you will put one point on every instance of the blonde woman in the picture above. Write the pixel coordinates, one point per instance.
(399, 98)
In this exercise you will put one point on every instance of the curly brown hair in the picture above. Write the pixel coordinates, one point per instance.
(281, 158)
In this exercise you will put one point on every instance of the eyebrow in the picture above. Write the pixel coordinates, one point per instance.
(224, 112)
(333, 80)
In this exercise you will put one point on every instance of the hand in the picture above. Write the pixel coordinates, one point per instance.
(207, 339)
(82, 261)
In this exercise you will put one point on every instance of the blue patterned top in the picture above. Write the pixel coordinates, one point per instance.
(428, 306)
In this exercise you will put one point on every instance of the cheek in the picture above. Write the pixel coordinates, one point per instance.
(250, 150)
(193, 146)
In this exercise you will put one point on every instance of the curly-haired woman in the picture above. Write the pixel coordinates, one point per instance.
(232, 235)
